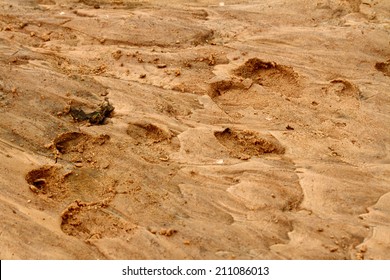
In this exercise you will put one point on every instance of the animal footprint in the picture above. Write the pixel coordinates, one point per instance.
(342, 88)
(48, 181)
(93, 221)
(384, 67)
(244, 144)
(148, 132)
(153, 142)
(79, 147)
(280, 78)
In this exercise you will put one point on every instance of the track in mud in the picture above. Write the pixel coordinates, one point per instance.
(224, 141)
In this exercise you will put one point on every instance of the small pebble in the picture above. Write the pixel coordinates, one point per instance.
(333, 249)
(34, 189)
(359, 256)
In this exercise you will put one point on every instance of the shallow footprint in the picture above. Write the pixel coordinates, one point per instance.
(93, 221)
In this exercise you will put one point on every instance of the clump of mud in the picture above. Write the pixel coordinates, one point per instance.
(96, 117)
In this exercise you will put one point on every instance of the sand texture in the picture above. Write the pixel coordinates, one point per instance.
(194, 130)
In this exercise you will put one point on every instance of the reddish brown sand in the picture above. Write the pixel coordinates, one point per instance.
(249, 130)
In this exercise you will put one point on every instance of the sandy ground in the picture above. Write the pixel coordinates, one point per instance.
(249, 130)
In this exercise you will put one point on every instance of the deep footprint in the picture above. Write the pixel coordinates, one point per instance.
(79, 147)
(280, 78)
(245, 144)
(383, 67)
(48, 181)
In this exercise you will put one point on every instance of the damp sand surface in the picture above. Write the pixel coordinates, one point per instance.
(194, 130)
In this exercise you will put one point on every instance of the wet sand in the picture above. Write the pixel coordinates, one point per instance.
(249, 130)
